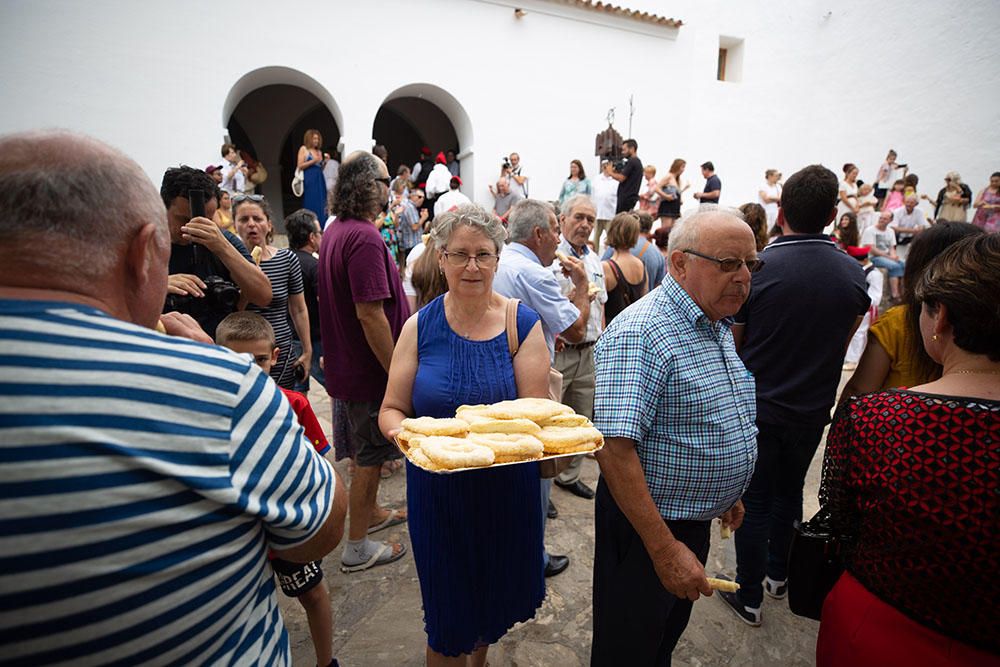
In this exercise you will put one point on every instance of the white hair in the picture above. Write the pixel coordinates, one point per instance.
(574, 201)
(526, 216)
(468, 215)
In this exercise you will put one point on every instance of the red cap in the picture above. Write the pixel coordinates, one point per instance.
(858, 252)
(424, 150)
(455, 180)
(212, 168)
(441, 159)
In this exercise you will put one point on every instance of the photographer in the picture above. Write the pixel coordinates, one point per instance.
(511, 168)
(210, 269)
(628, 173)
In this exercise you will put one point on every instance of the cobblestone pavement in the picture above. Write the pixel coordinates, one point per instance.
(378, 619)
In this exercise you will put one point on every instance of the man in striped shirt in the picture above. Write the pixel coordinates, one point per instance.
(143, 477)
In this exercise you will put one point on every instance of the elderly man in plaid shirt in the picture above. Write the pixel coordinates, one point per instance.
(676, 406)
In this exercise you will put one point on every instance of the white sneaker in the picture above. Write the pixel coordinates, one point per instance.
(776, 589)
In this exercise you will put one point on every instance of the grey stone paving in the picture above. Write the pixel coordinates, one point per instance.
(378, 619)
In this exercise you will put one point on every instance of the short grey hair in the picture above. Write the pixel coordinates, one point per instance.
(69, 204)
(686, 232)
(468, 215)
(526, 216)
(576, 200)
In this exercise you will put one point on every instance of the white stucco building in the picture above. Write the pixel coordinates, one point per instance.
(807, 81)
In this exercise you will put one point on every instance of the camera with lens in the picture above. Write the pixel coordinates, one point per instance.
(505, 163)
(221, 296)
(618, 163)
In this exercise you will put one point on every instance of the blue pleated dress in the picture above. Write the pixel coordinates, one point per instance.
(477, 535)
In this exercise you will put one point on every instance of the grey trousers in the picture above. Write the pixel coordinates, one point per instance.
(577, 367)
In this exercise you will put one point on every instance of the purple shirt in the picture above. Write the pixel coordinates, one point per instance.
(355, 267)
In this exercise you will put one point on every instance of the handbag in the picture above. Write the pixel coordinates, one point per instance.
(551, 467)
(259, 174)
(298, 183)
(814, 564)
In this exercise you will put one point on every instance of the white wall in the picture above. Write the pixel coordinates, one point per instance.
(154, 80)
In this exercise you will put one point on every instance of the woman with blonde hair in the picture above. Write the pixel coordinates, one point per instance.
(624, 273)
(952, 203)
(769, 195)
(669, 191)
(310, 161)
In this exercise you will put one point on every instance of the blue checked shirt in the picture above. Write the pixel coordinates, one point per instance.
(669, 379)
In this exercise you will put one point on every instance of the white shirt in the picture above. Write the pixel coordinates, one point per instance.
(438, 181)
(514, 185)
(233, 180)
(411, 259)
(595, 273)
(771, 208)
(605, 196)
(449, 200)
(330, 170)
(882, 240)
(901, 220)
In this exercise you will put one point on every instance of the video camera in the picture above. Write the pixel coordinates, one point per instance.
(505, 163)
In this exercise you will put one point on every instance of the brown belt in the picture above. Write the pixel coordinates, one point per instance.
(580, 346)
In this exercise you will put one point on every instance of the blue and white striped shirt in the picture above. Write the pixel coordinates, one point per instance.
(670, 379)
(142, 480)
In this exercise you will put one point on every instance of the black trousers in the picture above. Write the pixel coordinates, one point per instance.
(636, 621)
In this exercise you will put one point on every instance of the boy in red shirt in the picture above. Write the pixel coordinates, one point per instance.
(249, 333)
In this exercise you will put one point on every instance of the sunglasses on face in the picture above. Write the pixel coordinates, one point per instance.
(730, 264)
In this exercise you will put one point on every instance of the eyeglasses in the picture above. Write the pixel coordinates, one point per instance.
(483, 260)
(730, 264)
(385, 181)
(245, 197)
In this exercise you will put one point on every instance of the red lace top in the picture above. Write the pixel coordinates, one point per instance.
(914, 479)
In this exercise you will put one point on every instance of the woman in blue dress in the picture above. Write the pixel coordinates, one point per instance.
(477, 535)
(310, 161)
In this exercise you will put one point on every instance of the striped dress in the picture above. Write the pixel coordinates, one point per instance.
(142, 480)
(285, 274)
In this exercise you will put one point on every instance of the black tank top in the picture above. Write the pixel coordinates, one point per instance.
(624, 294)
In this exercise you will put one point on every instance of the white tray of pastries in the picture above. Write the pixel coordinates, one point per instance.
(504, 433)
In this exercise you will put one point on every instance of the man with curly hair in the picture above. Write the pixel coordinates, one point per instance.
(363, 311)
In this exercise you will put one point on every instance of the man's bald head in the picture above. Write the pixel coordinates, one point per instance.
(717, 234)
(69, 205)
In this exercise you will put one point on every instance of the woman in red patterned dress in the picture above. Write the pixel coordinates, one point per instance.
(913, 476)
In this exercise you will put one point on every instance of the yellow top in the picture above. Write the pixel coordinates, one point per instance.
(226, 221)
(891, 332)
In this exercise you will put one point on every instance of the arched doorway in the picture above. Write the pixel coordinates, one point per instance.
(267, 112)
(422, 114)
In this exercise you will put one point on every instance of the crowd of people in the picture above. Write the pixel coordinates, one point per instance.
(162, 467)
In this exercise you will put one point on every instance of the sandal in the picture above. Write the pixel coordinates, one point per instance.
(382, 556)
(389, 468)
(394, 518)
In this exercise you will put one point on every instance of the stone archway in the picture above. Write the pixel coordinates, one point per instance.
(267, 111)
(422, 114)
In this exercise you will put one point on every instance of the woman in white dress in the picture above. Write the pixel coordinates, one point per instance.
(848, 196)
(769, 195)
